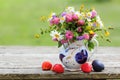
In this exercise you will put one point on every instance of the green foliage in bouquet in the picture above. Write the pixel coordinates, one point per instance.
(71, 25)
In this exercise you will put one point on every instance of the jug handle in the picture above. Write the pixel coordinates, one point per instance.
(93, 50)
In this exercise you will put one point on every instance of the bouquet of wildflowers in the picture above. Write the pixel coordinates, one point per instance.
(71, 25)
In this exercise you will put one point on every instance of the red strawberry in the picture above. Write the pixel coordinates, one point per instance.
(58, 68)
(86, 67)
(46, 65)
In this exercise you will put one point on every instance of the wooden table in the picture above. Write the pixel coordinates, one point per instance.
(23, 62)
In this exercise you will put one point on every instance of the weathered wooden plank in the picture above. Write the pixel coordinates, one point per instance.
(48, 49)
(18, 62)
(35, 60)
(37, 73)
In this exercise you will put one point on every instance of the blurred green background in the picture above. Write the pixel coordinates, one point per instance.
(20, 19)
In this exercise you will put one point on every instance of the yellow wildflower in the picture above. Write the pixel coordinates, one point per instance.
(107, 33)
(81, 7)
(43, 18)
(91, 32)
(88, 28)
(51, 16)
(37, 36)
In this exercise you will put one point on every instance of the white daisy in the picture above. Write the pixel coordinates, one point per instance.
(99, 21)
(98, 18)
(56, 35)
(78, 13)
(62, 19)
(82, 16)
(88, 19)
(101, 24)
(90, 24)
(88, 15)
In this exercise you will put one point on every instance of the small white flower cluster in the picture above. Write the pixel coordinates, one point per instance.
(56, 36)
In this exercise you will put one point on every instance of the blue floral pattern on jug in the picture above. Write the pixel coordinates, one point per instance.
(81, 57)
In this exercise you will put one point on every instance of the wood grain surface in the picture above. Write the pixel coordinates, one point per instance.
(24, 62)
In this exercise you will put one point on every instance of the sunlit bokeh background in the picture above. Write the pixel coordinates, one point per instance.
(20, 19)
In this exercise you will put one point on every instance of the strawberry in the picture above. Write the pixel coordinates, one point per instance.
(46, 65)
(58, 68)
(86, 67)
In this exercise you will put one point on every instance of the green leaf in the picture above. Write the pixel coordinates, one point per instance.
(41, 31)
(90, 45)
(59, 44)
(111, 28)
(108, 40)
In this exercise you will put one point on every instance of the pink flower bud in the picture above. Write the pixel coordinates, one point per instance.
(63, 41)
(79, 29)
(81, 22)
(69, 35)
(69, 18)
(75, 17)
(86, 36)
(55, 21)
(54, 39)
(94, 13)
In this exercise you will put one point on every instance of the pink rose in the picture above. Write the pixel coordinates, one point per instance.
(75, 17)
(69, 35)
(81, 22)
(94, 13)
(55, 20)
(79, 29)
(69, 18)
(86, 36)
